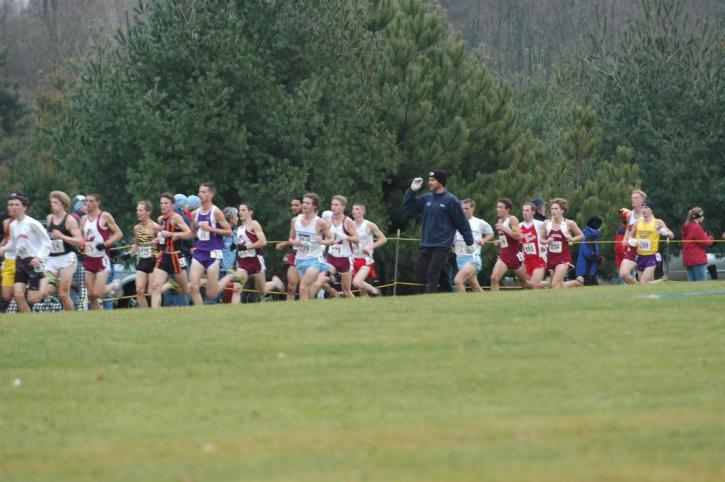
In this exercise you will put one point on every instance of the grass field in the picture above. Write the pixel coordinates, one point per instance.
(605, 383)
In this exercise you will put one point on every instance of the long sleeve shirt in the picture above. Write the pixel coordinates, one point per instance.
(441, 216)
(29, 239)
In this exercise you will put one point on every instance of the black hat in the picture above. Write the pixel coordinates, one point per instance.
(648, 204)
(537, 202)
(439, 175)
(595, 222)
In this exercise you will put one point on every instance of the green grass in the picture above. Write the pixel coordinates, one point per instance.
(605, 383)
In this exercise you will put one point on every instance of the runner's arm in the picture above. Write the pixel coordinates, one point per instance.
(184, 231)
(43, 240)
(380, 239)
(223, 229)
(573, 228)
(514, 230)
(324, 229)
(75, 238)
(261, 242)
(116, 235)
(350, 226)
(293, 241)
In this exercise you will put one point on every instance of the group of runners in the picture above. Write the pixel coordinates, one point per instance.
(41, 260)
(530, 247)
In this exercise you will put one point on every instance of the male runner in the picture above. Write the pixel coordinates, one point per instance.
(210, 226)
(8, 272)
(339, 254)
(370, 238)
(308, 232)
(169, 262)
(559, 233)
(100, 232)
(532, 232)
(249, 242)
(629, 263)
(146, 246)
(31, 244)
(509, 240)
(293, 276)
(65, 238)
(645, 235)
(469, 265)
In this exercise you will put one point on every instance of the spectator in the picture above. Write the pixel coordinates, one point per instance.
(589, 258)
(694, 242)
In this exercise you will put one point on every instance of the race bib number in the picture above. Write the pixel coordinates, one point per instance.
(644, 244)
(530, 249)
(503, 241)
(304, 248)
(216, 254)
(23, 252)
(160, 239)
(145, 252)
(520, 256)
(56, 246)
(335, 250)
(92, 251)
(248, 253)
(203, 235)
(555, 247)
(285, 258)
(182, 262)
(658, 257)
(461, 249)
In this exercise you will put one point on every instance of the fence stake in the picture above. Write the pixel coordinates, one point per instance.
(395, 273)
(667, 259)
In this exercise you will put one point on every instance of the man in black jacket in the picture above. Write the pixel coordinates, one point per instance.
(441, 215)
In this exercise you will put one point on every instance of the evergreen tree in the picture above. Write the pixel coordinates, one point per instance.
(662, 92)
(11, 129)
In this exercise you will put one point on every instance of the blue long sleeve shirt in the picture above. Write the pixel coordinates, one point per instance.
(441, 215)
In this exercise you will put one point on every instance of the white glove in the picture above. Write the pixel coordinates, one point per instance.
(632, 242)
(416, 184)
(470, 248)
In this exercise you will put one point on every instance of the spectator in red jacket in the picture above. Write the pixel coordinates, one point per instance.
(695, 241)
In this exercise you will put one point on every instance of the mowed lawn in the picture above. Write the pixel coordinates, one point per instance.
(606, 383)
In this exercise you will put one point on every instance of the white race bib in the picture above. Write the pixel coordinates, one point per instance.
(644, 244)
(56, 246)
(145, 252)
(555, 247)
(530, 248)
(203, 235)
(461, 249)
(216, 254)
(182, 262)
(503, 241)
(23, 252)
(92, 251)
(335, 250)
(304, 248)
(248, 253)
